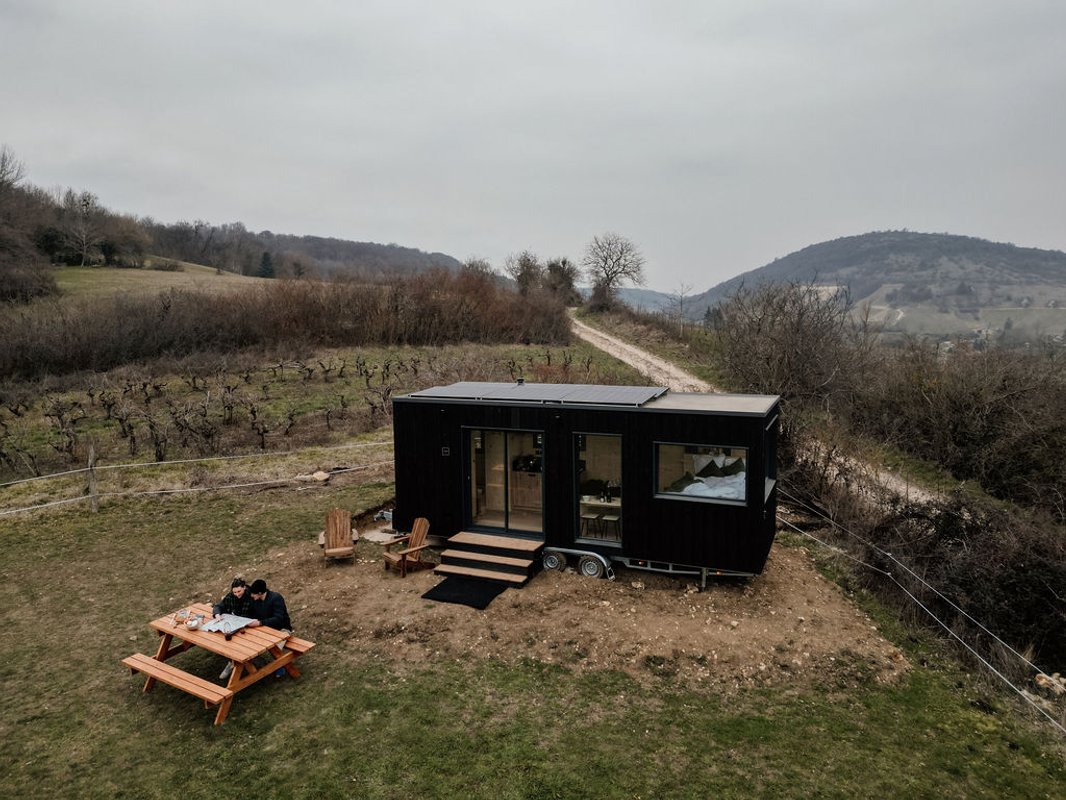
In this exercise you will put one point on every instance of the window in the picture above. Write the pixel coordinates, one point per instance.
(701, 472)
(598, 458)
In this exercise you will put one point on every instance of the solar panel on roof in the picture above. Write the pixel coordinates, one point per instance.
(614, 395)
(534, 392)
(546, 393)
(464, 390)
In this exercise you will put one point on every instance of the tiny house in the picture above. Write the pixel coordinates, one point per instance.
(675, 482)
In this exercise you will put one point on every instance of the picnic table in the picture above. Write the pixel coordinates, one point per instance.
(242, 648)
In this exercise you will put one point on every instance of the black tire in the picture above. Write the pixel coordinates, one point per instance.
(591, 567)
(554, 560)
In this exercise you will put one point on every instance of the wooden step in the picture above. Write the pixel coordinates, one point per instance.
(490, 540)
(503, 561)
(486, 574)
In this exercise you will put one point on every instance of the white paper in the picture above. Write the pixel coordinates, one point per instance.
(227, 623)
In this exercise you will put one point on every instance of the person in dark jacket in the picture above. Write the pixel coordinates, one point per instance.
(238, 601)
(269, 609)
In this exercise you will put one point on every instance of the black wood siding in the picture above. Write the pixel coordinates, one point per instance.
(716, 535)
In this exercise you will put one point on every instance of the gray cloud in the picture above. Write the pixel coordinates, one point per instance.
(718, 135)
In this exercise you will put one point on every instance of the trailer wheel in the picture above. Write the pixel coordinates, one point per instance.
(554, 560)
(590, 567)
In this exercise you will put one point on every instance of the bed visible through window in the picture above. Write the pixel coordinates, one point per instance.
(701, 472)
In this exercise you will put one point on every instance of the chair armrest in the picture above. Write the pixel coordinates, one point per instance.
(397, 540)
(413, 549)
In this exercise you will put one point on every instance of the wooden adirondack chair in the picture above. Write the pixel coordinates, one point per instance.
(338, 540)
(410, 558)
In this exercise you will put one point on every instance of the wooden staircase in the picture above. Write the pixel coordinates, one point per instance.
(490, 557)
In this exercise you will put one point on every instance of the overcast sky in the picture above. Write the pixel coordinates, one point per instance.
(716, 135)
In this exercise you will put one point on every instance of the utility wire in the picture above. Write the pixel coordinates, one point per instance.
(276, 482)
(1020, 692)
(147, 464)
(914, 574)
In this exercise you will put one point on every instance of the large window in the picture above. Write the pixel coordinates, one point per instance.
(701, 472)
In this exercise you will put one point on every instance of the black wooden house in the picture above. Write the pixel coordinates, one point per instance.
(646, 477)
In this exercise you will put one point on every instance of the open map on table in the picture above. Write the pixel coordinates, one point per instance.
(227, 623)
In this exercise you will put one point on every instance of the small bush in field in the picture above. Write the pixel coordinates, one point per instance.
(167, 265)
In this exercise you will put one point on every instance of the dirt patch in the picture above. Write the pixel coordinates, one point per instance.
(789, 626)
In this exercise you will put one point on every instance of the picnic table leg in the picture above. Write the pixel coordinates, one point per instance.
(290, 668)
(160, 655)
(223, 710)
(234, 678)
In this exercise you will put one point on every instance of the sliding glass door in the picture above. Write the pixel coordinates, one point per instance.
(506, 480)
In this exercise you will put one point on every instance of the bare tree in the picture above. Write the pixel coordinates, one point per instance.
(795, 340)
(677, 301)
(12, 171)
(82, 223)
(612, 260)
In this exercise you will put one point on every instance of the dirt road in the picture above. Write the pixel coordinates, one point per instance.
(661, 372)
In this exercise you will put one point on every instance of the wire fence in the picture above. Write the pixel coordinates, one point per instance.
(1022, 693)
(94, 496)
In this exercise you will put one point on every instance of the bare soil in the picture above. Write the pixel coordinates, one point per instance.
(788, 626)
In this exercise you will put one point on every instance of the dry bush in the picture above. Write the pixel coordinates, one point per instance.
(431, 309)
(995, 417)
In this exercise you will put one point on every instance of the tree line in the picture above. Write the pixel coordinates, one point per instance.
(41, 227)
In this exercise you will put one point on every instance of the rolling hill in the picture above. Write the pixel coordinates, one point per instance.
(927, 283)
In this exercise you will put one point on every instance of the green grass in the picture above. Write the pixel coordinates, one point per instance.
(77, 590)
(99, 281)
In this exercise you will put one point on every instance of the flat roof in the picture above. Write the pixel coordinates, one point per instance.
(719, 402)
(650, 398)
(563, 393)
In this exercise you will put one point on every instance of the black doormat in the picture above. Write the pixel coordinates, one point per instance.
(466, 591)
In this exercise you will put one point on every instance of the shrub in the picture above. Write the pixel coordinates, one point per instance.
(432, 309)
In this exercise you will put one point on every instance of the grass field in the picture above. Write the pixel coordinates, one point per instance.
(77, 590)
(97, 281)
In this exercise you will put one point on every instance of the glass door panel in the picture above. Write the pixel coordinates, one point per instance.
(525, 510)
(599, 487)
(506, 480)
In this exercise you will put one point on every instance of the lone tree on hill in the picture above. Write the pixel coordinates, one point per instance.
(612, 260)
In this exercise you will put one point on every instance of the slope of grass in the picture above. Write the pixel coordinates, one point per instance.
(98, 281)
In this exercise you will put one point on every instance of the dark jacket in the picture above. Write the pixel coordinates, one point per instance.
(231, 604)
(271, 611)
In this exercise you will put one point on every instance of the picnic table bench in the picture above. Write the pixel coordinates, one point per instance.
(211, 693)
(241, 648)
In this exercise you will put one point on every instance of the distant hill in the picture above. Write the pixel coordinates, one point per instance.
(336, 256)
(926, 283)
(642, 299)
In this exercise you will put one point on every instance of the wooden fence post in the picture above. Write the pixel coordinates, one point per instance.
(92, 479)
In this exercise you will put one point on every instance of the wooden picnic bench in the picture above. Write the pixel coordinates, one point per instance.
(212, 694)
(241, 648)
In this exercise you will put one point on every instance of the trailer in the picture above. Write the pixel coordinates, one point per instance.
(673, 482)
